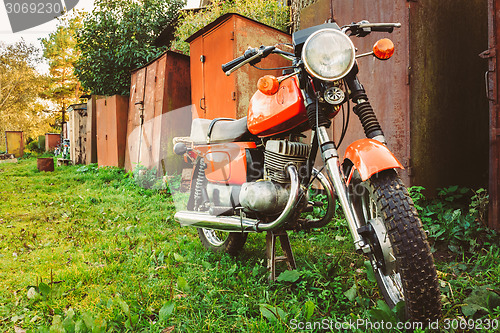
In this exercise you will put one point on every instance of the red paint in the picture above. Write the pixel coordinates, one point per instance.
(274, 114)
(370, 157)
(226, 162)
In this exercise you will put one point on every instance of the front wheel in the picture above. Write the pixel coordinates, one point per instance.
(220, 241)
(400, 254)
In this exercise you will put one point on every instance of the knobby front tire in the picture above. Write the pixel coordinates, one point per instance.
(385, 196)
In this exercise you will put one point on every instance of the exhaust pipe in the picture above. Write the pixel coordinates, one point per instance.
(207, 221)
(238, 224)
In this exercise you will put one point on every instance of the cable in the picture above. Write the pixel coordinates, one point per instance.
(272, 69)
(345, 120)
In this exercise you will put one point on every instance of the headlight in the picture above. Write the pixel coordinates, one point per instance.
(328, 54)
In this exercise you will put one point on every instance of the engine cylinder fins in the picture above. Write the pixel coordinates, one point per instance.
(281, 153)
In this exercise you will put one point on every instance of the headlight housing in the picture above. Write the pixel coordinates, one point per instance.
(328, 54)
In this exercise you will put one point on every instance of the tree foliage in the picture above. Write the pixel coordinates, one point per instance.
(117, 37)
(60, 50)
(271, 12)
(20, 88)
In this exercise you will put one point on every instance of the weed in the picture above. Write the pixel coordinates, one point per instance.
(85, 249)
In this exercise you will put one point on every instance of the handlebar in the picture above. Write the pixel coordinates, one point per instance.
(235, 62)
(251, 55)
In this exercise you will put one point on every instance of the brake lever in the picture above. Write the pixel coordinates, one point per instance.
(364, 28)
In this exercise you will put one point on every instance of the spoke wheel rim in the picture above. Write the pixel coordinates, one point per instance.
(392, 282)
(214, 237)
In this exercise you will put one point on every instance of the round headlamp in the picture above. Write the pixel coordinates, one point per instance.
(328, 54)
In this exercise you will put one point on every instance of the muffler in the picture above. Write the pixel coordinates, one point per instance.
(240, 224)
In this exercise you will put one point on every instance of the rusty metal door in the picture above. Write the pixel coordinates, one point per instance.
(492, 87)
(385, 82)
(14, 143)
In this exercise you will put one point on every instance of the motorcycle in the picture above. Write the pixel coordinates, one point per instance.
(255, 174)
(63, 149)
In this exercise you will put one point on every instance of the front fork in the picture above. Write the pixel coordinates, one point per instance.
(332, 163)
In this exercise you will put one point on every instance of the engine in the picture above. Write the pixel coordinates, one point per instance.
(270, 195)
(279, 154)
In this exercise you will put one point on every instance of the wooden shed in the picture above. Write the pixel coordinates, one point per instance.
(159, 110)
(52, 140)
(213, 93)
(77, 131)
(111, 123)
(91, 142)
(14, 142)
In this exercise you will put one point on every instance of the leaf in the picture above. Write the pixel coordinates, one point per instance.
(88, 320)
(166, 311)
(31, 293)
(471, 309)
(309, 309)
(168, 329)
(400, 311)
(19, 330)
(44, 289)
(493, 300)
(57, 325)
(179, 258)
(351, 293)
(124, 306)
(4, 311)
(182, 284)
(161, 257)
(477, 300)
(288, 276)
(370, 274)
(69, 324)
(272, 313)
(99, 325)
(384, 307)
(80, 326)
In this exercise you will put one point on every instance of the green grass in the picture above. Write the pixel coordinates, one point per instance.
(86, 250)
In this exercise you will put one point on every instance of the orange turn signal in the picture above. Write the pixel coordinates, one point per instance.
(268, 85)
(383, 49)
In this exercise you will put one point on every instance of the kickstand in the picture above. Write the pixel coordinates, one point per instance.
(271, 252)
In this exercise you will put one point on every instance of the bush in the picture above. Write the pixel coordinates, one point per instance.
(33, 147)
(456, 219)
(117, 37)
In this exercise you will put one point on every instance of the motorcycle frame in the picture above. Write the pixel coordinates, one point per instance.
(367, 156)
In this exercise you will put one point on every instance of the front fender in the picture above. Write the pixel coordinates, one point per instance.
(369, 157)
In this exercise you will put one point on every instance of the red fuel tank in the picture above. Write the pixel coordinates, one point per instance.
(273, 114)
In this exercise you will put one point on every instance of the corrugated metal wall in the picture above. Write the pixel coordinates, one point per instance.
(159, 110)
(429, 97)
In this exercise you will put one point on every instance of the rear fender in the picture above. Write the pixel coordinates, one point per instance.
(369, 157)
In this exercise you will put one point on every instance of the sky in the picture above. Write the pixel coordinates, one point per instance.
(33, 35)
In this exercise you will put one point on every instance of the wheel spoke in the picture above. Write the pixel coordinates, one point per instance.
(215, 238)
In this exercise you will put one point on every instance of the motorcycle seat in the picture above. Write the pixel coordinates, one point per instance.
(222, 130)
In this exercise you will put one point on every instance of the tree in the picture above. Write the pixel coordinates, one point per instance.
(271, 12)
(21, 109)
(117, 37)
(60, 50)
